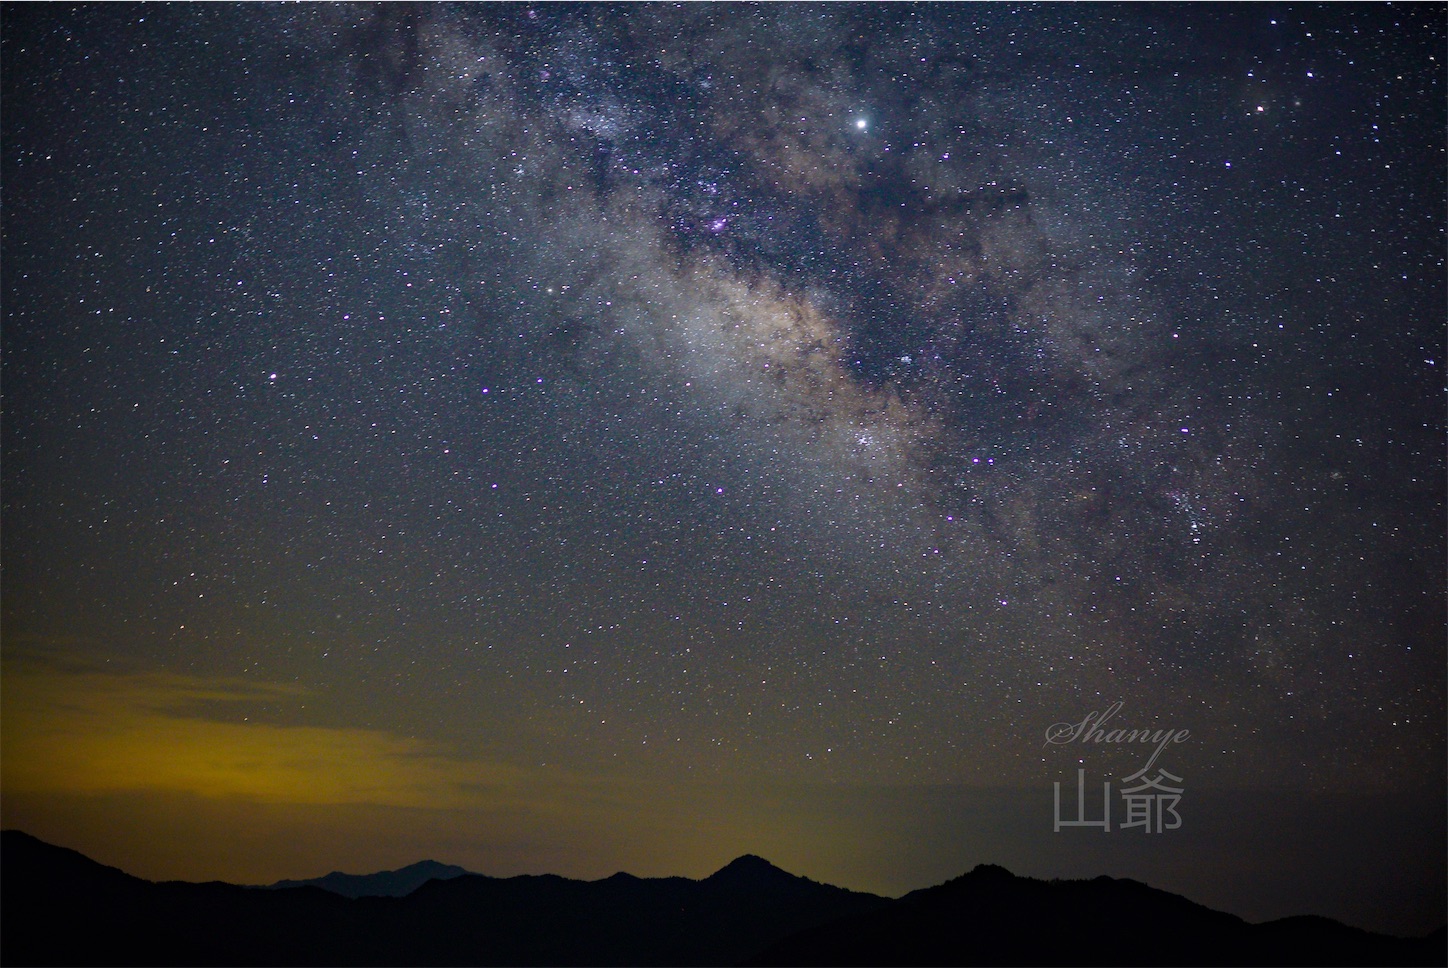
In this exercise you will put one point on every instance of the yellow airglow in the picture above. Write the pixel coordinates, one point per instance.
(94, 732)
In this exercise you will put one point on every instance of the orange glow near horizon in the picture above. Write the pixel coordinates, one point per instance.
(90, 732)
(166, 776)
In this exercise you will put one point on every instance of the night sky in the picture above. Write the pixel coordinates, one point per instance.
(580, 438)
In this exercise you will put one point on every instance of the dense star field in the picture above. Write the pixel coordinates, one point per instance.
(581, 438)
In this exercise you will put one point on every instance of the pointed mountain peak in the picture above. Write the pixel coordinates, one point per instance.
(750, 867)
(621, 877)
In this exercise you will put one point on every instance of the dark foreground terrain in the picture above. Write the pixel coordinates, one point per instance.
(60, 907)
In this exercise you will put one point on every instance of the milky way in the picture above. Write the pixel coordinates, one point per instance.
(832, 257)
(756, 395)
(809, 225)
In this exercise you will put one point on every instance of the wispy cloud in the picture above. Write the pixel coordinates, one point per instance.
(83, 730)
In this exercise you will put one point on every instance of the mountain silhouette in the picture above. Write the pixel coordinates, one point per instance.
(398, 883)
(471, 919)
(60, 907)
(750, 867)
(992, 917)
(750, 872)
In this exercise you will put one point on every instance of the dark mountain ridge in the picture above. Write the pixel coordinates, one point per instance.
(991, 917)
(747, 912)
(398, 883)
(471, 919)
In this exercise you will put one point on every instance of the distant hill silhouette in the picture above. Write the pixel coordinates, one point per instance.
(60, 907)
(992, 917)
(398, 883)
(47, 891)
